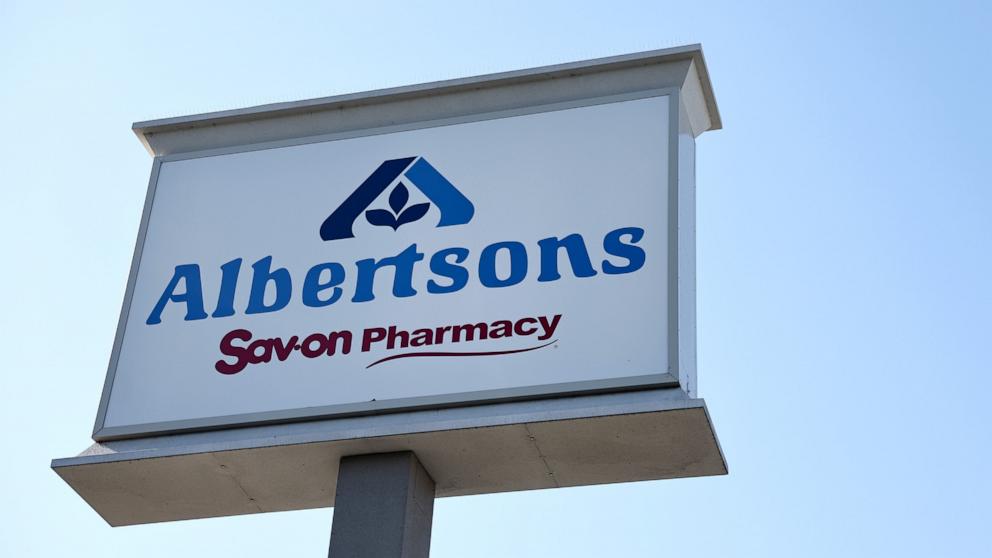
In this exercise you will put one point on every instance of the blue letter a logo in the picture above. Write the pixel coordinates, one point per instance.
(455, 208)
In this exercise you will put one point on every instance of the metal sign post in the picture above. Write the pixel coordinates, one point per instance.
(365, 301)
(384, 506)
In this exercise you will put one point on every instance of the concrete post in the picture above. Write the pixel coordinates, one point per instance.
(383, 507)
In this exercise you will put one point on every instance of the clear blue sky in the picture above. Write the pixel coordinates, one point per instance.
(845, 226)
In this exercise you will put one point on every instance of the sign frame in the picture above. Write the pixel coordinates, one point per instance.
(607, 434)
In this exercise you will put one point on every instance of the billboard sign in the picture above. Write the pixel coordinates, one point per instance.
(499, 256)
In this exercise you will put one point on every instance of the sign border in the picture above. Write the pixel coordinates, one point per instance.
(648, 380)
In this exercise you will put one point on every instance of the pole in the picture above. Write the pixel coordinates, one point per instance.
(383, 507)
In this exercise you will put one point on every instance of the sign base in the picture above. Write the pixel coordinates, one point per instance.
(522, 445)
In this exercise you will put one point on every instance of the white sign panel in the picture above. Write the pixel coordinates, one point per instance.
(507, 256)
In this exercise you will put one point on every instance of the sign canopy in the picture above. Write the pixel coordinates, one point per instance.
(470, 249)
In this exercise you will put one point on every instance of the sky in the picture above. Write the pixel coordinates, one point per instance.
(844, 264)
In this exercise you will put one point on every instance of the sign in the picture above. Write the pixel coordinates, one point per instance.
(500, 256)
(495, 273)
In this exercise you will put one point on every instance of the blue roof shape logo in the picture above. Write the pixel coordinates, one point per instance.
(455, 208)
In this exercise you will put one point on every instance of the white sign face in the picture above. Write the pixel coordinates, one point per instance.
(498, 258)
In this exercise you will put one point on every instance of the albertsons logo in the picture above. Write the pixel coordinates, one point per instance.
(455, 208)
